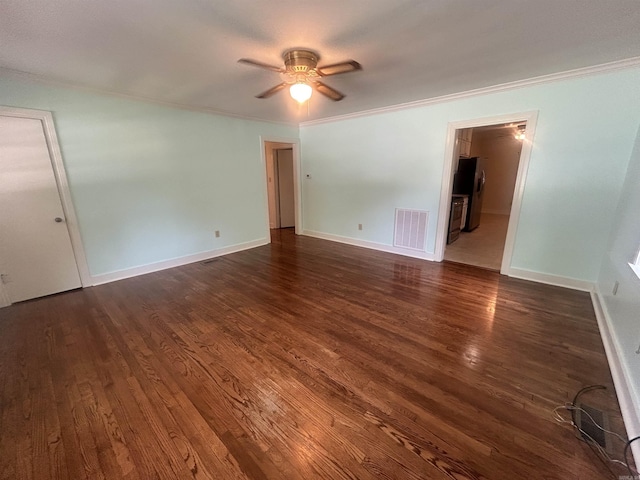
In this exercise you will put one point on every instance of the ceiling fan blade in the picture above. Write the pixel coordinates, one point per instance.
(338, 68)
(327, 91)
(266, 66)
(272, 91)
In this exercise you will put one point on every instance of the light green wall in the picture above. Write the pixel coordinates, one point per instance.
(624, 307)
(363, 168)
(152, 183)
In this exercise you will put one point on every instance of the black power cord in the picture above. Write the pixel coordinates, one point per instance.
(587, 439)
(626, 454)
(588, 388)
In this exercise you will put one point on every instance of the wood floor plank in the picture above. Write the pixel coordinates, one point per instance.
(199, 455)
(302, 359)
(194, 378)
(9, 399)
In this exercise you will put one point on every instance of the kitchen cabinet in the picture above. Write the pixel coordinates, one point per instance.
(464, 139)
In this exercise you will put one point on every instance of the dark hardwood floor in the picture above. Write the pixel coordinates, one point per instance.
(300, 359)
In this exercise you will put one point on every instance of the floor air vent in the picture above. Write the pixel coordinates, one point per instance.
(411, 229)
(588, 419)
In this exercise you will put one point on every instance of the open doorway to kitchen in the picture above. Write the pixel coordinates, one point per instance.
(486, 182)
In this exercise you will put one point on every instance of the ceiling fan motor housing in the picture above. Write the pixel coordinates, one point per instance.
(300, 61)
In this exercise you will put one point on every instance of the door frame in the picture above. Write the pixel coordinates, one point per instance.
(60, 174)
(531, 118)
(297, 192)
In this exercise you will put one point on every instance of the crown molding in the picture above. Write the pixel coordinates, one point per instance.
(502, 87)
(20, 75)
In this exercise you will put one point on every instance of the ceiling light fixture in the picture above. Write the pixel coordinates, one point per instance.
(300, 91)
(301, 74)
(520, 132)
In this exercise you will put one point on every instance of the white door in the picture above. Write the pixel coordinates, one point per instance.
(36, 257)
(286, 202)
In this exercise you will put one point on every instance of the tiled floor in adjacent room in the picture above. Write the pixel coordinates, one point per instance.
(482, 247)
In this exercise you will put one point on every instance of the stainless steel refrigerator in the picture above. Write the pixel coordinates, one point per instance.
(469, 179)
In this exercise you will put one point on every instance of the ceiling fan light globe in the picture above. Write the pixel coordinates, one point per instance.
(300, 92)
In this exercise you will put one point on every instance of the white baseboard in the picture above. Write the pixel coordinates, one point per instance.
(175, 262)
(371, 245)
(556, 280)
(630, 410)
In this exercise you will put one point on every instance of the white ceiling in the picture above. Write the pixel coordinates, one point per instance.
(185, 51)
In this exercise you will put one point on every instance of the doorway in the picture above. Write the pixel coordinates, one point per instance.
(281, 171)
(483, 184)
(283, 186)
(40, 249)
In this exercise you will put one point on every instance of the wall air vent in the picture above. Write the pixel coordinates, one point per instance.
(411, 229)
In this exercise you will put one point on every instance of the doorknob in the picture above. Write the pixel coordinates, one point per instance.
(57, 219)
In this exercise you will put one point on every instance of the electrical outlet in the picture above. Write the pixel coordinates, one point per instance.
(615, 288)
(359, 226)
(217, 233)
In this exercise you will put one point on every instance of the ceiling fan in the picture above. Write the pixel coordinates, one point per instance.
(301, 73)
